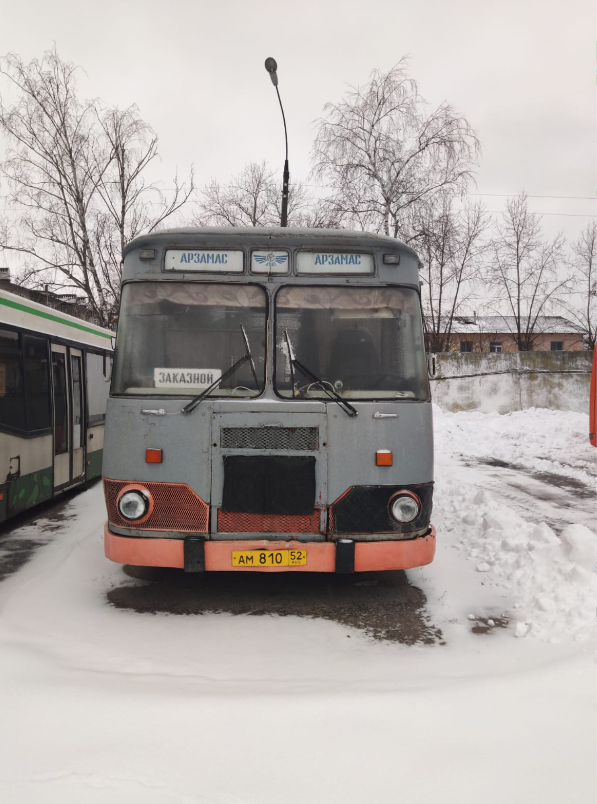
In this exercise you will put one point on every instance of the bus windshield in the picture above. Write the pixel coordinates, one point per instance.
(179, 338)
(365, 343)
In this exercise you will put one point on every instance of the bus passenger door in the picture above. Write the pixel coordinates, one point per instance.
(78, 417)
(60, 397)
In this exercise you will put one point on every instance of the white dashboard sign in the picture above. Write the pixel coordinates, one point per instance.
(324, 262)
(193, 379)
(208, 260)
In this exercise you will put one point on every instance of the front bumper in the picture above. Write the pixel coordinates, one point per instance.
(321, 556)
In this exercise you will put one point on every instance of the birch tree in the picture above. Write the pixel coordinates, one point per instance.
(127, 204)
(524, 271)
(252, 197)
(75, 175)
(584, 279)
(381, 152)
(452, 246)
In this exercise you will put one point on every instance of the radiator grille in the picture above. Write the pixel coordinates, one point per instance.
(287, 438)
(176, 507)
(267, 523)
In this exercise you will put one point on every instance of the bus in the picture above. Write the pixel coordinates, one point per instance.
(54, 383)
(269, 407)
(593, 401)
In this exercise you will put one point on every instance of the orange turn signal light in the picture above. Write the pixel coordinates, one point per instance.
(384, 457)
(153, 456)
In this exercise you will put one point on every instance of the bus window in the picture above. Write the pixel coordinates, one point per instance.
(60, 403)
(12, 407)
(38, 385)
(178, 339)
(77, 402)
(98, 386)
(366, 343)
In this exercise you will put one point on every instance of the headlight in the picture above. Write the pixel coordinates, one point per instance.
(405, 507)
(133, 505)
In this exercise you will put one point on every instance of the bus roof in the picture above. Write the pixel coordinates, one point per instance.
(291, 235)
(18, 311)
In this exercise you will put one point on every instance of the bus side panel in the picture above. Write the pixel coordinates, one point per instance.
(95, 452)
(26, 463)
(3, 501)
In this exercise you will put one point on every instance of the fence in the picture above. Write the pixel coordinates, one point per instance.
(505, 382)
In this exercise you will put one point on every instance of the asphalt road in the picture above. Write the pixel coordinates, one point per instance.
(383, 604)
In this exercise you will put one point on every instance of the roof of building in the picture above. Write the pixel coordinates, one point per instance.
(506, 325)
(68, 303)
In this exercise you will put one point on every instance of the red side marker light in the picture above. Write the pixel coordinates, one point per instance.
(153, 456)
(384, 457)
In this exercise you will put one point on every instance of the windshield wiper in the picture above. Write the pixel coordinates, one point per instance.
(346, 407)
(246, 357)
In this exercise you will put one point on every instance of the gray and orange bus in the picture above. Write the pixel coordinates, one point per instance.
(269, 407)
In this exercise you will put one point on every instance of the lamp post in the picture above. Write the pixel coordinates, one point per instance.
(271, 66)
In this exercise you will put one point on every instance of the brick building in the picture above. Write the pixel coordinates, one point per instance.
(496, 333)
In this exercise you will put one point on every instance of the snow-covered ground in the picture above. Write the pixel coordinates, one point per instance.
(100, 704)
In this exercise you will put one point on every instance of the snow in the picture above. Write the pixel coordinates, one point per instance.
(107, 705)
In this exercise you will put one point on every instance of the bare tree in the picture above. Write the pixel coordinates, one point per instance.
(584, 277)
(75, 179)
(252, 198)
(129, 204)
(523, 271)
(452, 246)
(380, 152)
(52, 174)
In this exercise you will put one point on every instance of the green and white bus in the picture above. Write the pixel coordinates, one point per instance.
(54, 380)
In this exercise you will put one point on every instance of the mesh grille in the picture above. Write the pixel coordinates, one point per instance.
(289, 438)
(176, 507)
(364, 509)
(267, 523)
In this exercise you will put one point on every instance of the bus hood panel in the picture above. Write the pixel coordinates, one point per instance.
(184, 441)
(406, 430)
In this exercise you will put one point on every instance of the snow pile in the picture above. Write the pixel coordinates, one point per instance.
(550, 578)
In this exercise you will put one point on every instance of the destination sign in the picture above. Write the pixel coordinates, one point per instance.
(208, 260)
(327, 262)
(192, 379)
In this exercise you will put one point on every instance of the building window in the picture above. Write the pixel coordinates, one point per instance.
(466, 346)
(557, 346)
(495, 347)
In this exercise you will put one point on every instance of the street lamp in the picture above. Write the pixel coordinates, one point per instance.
(271, 66)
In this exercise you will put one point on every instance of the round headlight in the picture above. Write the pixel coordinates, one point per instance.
(404, 508)
(133, 505)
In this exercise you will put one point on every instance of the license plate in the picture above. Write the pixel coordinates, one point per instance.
(269, 558)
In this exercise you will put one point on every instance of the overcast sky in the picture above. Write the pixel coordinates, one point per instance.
(521, 71)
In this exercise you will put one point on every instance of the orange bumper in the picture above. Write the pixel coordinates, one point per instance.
(321, 556)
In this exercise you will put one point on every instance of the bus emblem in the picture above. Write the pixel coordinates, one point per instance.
(271, 260)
